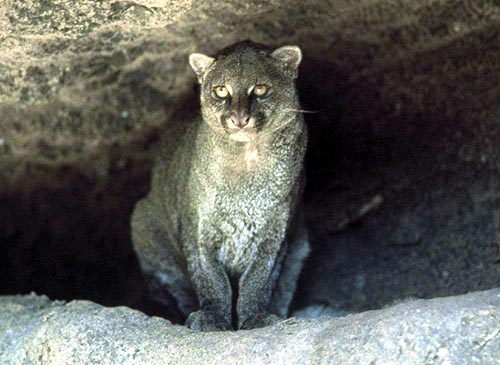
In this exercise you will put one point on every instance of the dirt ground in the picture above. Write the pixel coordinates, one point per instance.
(403, 194)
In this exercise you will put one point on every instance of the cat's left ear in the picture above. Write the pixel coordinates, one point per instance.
(290, 57)
(200, 64)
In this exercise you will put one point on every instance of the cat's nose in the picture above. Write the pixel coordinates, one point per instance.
(239, 120)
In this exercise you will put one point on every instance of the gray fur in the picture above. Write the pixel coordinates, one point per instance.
(223, 215)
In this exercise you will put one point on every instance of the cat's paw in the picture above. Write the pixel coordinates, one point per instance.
(259, 320)
(207, 321)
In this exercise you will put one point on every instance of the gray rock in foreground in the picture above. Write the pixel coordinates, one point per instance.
(455, 330)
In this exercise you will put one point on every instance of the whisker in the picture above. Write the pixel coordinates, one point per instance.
(302, 111)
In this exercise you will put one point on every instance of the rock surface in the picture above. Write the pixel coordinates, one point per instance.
(403, 196)
(458, 330)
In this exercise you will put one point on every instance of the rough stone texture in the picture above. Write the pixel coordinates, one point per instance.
(457, 330)
(403, 195)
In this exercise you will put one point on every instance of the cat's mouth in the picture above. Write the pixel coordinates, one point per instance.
(242, 135)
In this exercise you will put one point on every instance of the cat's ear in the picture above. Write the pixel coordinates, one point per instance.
(288, 56)
(200, 64)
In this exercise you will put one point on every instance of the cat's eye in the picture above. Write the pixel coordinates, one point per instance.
(260, 90)
(221, 91)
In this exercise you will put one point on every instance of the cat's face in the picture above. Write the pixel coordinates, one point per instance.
(247, 90)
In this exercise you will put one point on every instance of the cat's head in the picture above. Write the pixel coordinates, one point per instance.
(247, 89)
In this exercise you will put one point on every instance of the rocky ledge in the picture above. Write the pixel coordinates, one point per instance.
(457, 330)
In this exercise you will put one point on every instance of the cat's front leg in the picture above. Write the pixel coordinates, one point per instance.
(213, 290)
(256, 286)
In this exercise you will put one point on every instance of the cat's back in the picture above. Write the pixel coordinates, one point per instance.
(169, 178)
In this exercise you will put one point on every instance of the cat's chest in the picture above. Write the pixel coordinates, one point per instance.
(246, 224)
(245, 216)
(246, 206)
(247, 198)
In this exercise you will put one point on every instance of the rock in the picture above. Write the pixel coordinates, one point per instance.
(456, 330)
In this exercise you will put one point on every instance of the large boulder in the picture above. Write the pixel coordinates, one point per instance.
(456, 330)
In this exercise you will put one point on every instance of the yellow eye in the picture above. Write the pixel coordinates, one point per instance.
(221, 91)
(260, 90)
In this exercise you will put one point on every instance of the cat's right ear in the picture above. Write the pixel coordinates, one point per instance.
(200, 64)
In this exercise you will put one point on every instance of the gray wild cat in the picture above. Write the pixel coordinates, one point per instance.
(221, 229)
